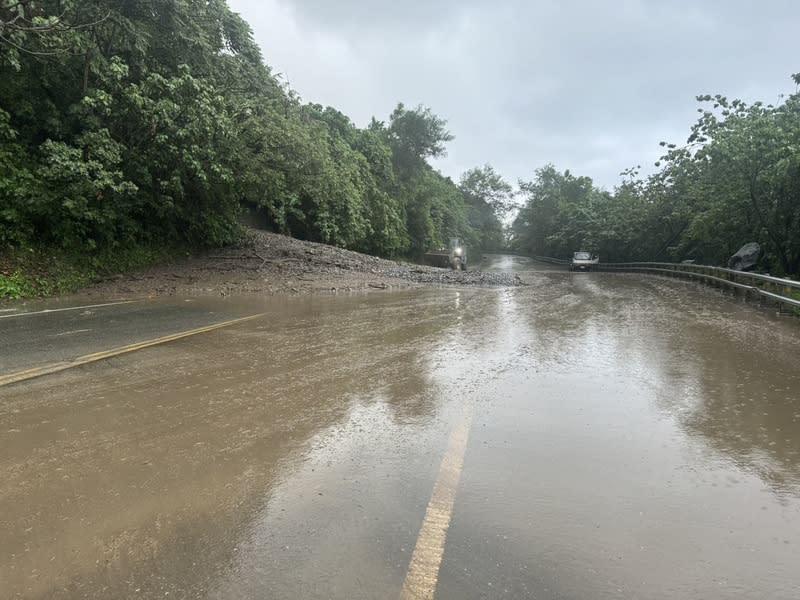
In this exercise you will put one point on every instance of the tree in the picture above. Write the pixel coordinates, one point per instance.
(558, 215)
(136, 114)
(154, 121)
(489, 199)
(485, 184)
(740, 169)
(30, 28)
(416, 135)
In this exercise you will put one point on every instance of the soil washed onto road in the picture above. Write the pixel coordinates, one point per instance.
(275, 264)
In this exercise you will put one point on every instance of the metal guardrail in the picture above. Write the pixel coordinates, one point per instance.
(703, 269)
(783, 291)
(552, 261)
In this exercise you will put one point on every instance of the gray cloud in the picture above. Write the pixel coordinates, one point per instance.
(378, 17)
(587, 85)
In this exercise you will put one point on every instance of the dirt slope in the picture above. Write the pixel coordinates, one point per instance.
(277, 264)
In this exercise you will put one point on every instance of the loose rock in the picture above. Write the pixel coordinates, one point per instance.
(276, 264)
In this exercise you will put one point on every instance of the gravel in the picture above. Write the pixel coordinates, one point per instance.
(276, 264)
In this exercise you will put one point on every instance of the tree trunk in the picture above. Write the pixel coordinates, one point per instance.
(87, 61)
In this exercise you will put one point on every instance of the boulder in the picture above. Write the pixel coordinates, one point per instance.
(746, 258)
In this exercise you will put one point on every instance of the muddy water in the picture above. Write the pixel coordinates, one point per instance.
(652, 443)
(629, 439)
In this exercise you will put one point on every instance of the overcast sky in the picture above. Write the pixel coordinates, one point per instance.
(588, 85)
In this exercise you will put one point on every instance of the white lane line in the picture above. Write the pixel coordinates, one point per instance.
(74, 331)
(55, 310)
(423, 571)
(90, 358)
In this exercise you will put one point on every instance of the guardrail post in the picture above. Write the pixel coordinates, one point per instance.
(766, 287)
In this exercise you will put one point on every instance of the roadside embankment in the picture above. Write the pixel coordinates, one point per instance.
(276, 264)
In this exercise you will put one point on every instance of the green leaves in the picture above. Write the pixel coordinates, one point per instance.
(416, 135)
(489, 199)
(14, 286)
(128, 122)
(742, 181)
(558, 217)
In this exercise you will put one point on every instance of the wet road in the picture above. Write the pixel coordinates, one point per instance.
(622, 438)
(51, 331)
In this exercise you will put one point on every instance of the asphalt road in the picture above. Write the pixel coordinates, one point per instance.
(589, 436)
(54, 331)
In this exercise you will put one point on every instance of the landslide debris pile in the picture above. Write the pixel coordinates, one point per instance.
(297, 256)
(273, 264)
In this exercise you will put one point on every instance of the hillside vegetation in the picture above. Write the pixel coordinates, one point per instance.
(736, 179)
(132, 125)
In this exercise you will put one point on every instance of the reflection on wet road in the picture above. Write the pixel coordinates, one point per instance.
(630, 438)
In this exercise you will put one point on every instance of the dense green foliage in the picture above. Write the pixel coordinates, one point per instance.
(139, 124)
(736, 180)
(126, 123)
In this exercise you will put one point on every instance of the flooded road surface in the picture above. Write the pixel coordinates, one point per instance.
(620, 438)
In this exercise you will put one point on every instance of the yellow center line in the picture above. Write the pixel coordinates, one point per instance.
(423, 571)
(89, 358)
